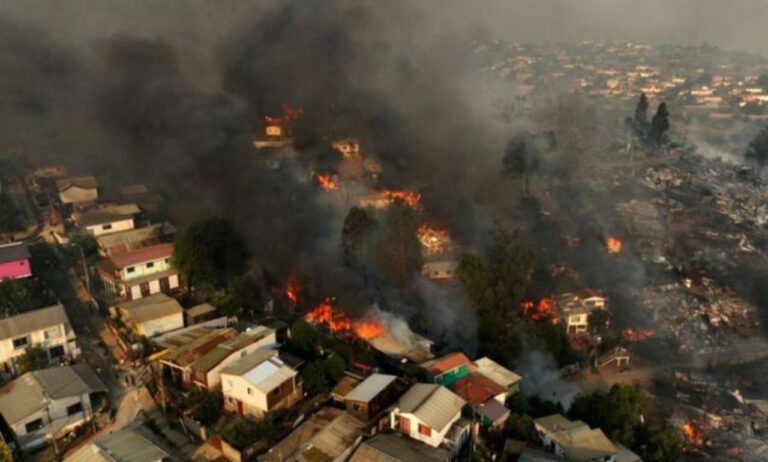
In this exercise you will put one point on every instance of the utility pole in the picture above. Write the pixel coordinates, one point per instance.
(46, 404)
(85, 268)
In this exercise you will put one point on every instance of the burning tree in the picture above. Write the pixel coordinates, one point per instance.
(540, 311)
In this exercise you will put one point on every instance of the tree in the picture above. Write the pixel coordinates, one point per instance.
(660, 125)
(357, 226)
(208, 410)
(554, 338)
(246, 432)
(5, 452)
(16, 296)
(757, 151)
(522, 155)
(616, 412)
(226, 302)
(10, 218)
(314, 378)
(519, 427)
(304, 337)
(598, 321)
(210, 253)
(334, 367)
(662, 444)
(400, 252)
(34, 358)
(640, 121)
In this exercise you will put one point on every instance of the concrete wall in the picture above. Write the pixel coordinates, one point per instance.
(162, 325)
(58, 334)
(437, 435)
(113, 227)
(213, 377)
(147, 268)
(59, 423)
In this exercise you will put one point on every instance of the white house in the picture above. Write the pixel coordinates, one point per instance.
(140, 273)
(153, 315)
(427, 412)
(498, 374)
(574, 440)
(48, 328)
(48, 403)
(125, 445)
(105, 219)
(575, 308)
(78, 190)
(259, 383)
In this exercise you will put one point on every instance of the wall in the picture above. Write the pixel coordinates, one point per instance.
(159, 326)
(60, 422)
(141, 270)
(213, 377)
(119, 225)
(154, 287)
(15, 270)
(235, 387)
(64, 338)
(437, 435)
(451, 376)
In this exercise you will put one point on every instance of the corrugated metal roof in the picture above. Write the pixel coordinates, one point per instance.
(13, 252)
(433, 404)
(144, 254)
(32, 321)
(153, 307)
(133, 239)
(579, 442)
(388, 447)
(262, 369)
(106, 214)
(370, 387)
(445, 364)
(476, 388)
(226, 348)
(333, 440)
(24, 395)
(190, 352)
(125, 445)
(496, 372)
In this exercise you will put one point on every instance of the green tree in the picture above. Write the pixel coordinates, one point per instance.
(86, 242)
(226, 302)
(616, 412)
(246, 432)
(10, 218)
(209, 409)
(16, 296)
(641, 115)
(34, 358)
(5, 452)
(334, 367)
(662, 444)
(598, 321)
(313, 378)
(554, 338)
(304, 337)
(357, 227)
(210, 253)
(400, 252)
(757, 151)
(660, 125)
(519, 427)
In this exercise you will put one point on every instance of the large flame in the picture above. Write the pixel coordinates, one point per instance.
(434, 241)
(541, 310)
(695, 433)
(612, 245)
(410, 198)
(327, 182)
(291, 290)
(326, 313)
(636, 335)
(289, 114)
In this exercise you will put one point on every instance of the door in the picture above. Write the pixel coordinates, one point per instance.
(405, 425)
(144, 286)
(240, 407)
(165, 285)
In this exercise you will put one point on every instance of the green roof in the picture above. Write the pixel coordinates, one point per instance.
(211, 359)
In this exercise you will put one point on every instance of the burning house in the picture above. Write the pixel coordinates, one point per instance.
(348, 147)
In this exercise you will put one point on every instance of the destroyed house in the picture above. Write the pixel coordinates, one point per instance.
(574, 440)
(447, 369)
(140, 273)
(81, 190)
(258, 383)
(370, 398)
(48, 328)
(152, 316)
(106, 219)
(428, 413)
(14, 261)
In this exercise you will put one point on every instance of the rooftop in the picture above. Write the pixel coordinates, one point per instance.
(345, 385)
(13, 252)
(262, 369)
(433, 404)
(370, 387)
(145, 254)
(579, 442)
(394, 447)
(106, 214)
(287, 448)
(199, 346)
(134, 239)
(496, 372)
(83, 182)
(153, 307)
(227, 347)
(445, 364)
(125, 445)
(203, 308)
(31, 321)
(477, 389)
(332, 441)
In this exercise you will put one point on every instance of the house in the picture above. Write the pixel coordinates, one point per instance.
(190, 347)
(574, 309)
(140, 273)
(259, 383)
(345, 385)
(206, 371)
(428, 412)
(371, 396)
(287, 448)
(200, 313)
(124, 445)
(14, 261)
(485, 396)
(48, 328)
(334, 443)
(106, 219)
(79, 191)
(574, 440)
(153, 315)
(348, 147)
(440, 270)
(448, 369)
(134, 239)
(394, 447)
(48, 403)
(499, 374)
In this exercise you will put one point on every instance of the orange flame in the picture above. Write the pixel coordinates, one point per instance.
(326, 313)
(327, 182)
(434, 241)
(636, 335)
(613, 245)
(541, 310)
(291, 290)
(695, 434)
(410, 198)
(289, 114)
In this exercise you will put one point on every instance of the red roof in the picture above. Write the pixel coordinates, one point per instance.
(476, 389)
(447, 363)
(153, 252)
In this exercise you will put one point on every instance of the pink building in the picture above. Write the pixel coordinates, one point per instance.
(14, 261)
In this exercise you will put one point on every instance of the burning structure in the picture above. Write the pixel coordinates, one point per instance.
(276, 129)
(434, 241)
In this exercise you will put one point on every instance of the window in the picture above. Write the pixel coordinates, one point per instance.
(20, 342)
(34, 425)
(356, 407)
(167, 260)
(52, 333)
(56, 352)
(130, 269)
(75, 408)
(276, 392)
(424, 430)
(249, 391)
(106, 227)
(151, 264)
